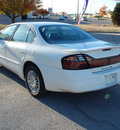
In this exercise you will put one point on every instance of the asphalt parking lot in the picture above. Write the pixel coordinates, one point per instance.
(58, 111)
(108, 37)
(5, 20)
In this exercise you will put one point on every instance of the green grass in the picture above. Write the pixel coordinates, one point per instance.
(99, 28)
(2, 26)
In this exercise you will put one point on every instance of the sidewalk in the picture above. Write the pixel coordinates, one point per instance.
(109, 37)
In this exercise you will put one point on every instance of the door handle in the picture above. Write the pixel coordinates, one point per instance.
(2, 48)
(22, 52)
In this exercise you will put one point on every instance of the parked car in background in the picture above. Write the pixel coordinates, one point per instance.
(75, 18)
(58, 57)
(65, 16)
(61, 18)
(84, 19)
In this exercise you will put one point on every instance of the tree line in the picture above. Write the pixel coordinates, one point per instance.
(115, 15)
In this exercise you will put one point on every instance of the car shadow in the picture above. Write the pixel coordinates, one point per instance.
(93, 110)
(12, 76)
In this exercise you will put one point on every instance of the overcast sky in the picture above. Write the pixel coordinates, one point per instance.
(70, 6)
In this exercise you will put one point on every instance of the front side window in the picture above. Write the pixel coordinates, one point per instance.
(61, 34)
(7, 32)
(21, 33)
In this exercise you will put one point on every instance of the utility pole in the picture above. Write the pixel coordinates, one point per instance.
(78, 10)
(52, 6)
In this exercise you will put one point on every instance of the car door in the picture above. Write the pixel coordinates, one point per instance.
(16, 48)
(2, 52)
(4, 39)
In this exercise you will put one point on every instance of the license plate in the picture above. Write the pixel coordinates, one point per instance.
(111, 79)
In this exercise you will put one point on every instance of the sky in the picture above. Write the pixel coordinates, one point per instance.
(70, 6)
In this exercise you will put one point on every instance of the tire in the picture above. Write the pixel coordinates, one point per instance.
(34, 81)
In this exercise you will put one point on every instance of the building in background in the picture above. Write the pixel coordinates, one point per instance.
(30, 15)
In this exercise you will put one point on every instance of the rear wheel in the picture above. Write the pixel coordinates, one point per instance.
(34, 81)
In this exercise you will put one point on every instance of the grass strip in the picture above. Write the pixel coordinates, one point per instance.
(99, 28)
(91, 28)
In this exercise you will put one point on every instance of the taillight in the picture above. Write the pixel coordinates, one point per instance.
(83, 61)
(93, 63)
(103, 61)
(74, 62)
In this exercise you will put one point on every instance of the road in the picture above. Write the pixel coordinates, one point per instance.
(5, 20)
(90, 21)
(108, 37)
(56, 111)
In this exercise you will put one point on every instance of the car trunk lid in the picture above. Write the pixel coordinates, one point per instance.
(96, 49)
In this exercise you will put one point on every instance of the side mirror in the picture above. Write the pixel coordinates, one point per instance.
(0, 36)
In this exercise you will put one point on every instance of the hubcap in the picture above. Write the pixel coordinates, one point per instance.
(33, 81)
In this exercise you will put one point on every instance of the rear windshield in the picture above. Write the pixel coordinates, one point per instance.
(61, 34)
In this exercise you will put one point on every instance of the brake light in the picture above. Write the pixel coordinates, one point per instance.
(106, 49)
(74, 62)
(98, 63)
(104, 61)
(83, 61)
(114, 59)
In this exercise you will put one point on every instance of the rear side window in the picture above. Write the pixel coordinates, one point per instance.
(30, 36)
(21, 33)
(7, 32)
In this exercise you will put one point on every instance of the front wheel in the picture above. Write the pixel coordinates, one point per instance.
(34, 81)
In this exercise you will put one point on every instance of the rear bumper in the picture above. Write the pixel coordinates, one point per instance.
(80, 81)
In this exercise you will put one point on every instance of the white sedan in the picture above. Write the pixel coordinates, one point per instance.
(58, 57)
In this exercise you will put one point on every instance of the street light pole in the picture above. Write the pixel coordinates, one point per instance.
(78, 10)
(52, 6)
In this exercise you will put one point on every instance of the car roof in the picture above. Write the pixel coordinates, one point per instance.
(38, 24)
